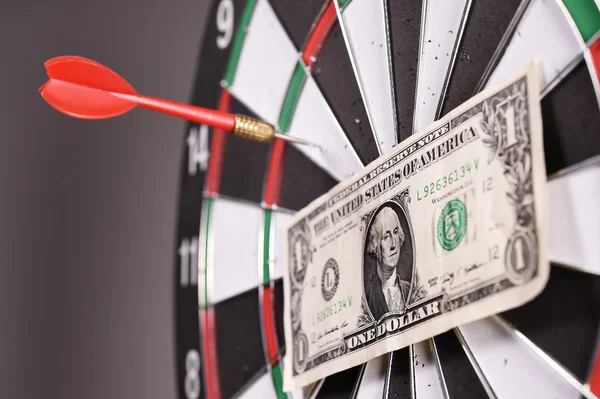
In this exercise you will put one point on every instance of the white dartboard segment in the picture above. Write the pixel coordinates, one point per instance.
(544, 33)
(278, 222)
(443, 24)
(428, 380)
(267, 61)
(510, 367)
(260, 388)
(372, 384)
(575, 218)
(364, 26)
(315, 122)
(235, 230)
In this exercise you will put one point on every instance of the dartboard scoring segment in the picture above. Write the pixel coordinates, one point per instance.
(373, 384)
(569, 337)
(405, 36)
(441, 31)
(463, 378)
(234, 237)
(264, 36)
(477, 45)
(426, 371)
(369, 50)
(494, 345)
(399, 374)
(543, 33)
(585, 14)
(579, 216)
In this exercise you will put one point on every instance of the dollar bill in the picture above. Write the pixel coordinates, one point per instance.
(448, 227)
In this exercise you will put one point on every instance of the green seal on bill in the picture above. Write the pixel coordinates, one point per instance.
(452, 224)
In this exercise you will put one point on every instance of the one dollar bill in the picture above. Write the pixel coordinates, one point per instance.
(448, 227)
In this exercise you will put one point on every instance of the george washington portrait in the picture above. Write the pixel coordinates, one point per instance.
(388, 261)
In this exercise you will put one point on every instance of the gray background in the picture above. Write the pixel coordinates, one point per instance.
(87, 208)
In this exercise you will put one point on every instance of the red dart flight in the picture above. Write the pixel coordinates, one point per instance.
(83, 88)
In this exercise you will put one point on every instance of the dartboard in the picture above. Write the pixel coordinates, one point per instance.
(357, 77)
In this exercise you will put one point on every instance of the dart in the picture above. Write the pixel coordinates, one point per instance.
(85, 89)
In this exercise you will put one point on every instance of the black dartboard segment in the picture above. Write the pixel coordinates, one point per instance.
(565, 328)
(571, 120)
(487, 24)
(239, 342)
(461, 379)
(341, 385)
(399, 378)
(302, 181)
(298, 17)
(279, 314)
(405, 32)
(334, 75)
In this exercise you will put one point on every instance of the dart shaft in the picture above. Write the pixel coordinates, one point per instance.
(240, 125)
(210, 117)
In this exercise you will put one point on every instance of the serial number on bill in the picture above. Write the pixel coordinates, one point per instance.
(448, 180)
(332, 309)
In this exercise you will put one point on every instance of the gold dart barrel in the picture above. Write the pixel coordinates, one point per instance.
(254, 129)
(261, 131)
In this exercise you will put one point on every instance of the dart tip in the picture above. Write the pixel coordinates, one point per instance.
(295, 140)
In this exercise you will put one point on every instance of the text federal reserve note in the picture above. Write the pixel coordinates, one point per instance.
(446, 228)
